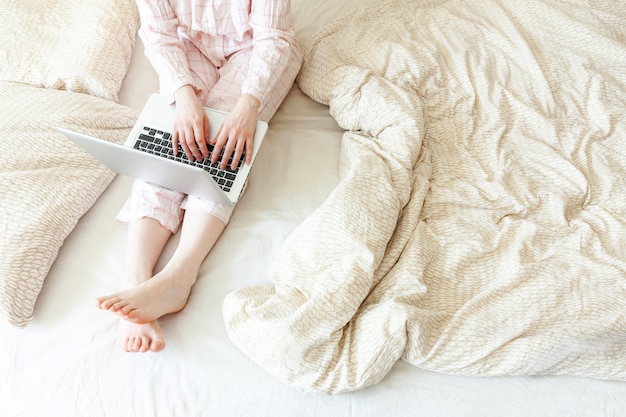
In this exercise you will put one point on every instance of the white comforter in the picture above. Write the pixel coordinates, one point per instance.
(479, 225)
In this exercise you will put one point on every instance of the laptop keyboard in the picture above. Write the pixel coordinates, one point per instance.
(158, 142)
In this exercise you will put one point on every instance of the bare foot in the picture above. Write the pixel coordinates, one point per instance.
(167, 292)
(140, 337)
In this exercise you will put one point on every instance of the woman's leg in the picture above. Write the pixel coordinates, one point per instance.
(227, 90)
(168, 291)
(144, 245)
(153, 214)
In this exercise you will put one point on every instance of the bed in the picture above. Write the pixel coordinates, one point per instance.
(434, 225)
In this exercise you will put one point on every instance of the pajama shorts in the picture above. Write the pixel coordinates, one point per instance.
(167, 206)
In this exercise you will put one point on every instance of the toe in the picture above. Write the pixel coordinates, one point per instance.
(157, 345)
(105, 302)
(125, 309)
(131, 318)
(145, 344)
(108, 303)
(124, 344)
(118, 304)
(98, 302)
(134, 316)
(136, 344)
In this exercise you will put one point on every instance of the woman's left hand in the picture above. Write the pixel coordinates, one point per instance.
(236, 134)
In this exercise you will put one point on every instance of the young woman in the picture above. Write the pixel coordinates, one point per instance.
(240, 56)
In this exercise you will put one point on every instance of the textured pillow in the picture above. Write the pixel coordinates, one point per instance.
(310, 16)
(83, 46)
(46, 182)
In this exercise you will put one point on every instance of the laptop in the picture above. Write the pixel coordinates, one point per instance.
(147, 155)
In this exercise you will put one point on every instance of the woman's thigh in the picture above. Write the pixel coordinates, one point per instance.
(204, 71)
(227, 90)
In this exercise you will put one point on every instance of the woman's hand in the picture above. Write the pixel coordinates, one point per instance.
(191, 125)
(237, 132)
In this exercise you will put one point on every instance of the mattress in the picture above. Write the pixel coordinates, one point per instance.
(66, 362)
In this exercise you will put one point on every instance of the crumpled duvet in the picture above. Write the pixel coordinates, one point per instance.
(479, 224)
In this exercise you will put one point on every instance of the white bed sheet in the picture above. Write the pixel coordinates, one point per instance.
(67, 362)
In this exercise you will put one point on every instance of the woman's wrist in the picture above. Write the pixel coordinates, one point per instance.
(251, 102)
(186, 91)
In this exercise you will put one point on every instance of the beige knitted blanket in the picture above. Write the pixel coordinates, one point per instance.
(479, 225)
(46, 182)
(62, 64)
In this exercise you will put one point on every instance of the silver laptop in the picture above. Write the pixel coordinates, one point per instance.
(147, 155)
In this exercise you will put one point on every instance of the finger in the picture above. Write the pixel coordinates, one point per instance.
(237, 155)
(218, 144)
(183, 144)
(207, 134)
(249, 149)
(175, 142)
(190, 139)
(200, 136)
(228, 151)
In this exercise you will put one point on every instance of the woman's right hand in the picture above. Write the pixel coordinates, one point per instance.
(191, 125)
